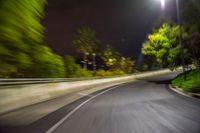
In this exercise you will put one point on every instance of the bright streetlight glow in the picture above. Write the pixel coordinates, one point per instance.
(162, 2)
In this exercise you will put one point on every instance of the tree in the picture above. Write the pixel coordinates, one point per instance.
(163, 45)
(125, 64)
(110, 56)
(86, 42)
(20, 29)
(22, 49)
(116, 62)
(46, 63)
(73, 69)
(191, 22)
(160, 21)
(70, 66)
(148, 63)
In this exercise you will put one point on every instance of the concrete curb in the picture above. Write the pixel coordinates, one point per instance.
(186, 94)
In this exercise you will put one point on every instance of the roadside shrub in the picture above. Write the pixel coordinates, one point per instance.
(118, 72)
(103, 73)
(192, 82)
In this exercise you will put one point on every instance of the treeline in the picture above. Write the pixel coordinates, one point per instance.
(164, 47)
(23, 52)
(86, 42)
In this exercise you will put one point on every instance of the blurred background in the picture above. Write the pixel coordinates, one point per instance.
(59, 38)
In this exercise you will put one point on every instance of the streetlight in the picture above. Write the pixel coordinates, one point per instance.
(162, 2)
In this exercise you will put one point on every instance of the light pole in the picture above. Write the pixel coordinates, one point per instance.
(180, 32)
(180, 37)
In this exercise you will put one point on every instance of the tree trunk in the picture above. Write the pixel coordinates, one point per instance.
(85, 61)
(194, 57)
(94, 64)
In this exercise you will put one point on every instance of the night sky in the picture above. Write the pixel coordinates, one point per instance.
(122, 23)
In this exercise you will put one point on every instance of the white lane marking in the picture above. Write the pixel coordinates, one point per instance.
(83, 94)
(54, 127)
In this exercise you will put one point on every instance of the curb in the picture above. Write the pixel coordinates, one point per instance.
(187, 94)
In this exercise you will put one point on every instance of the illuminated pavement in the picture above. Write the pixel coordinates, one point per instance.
(143, 106)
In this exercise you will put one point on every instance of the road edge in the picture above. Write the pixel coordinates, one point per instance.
(183, 93)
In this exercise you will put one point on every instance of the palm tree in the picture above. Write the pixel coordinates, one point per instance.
(86, 42)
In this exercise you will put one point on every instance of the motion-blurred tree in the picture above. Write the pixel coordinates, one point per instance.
(46, 63)
(22, 49)
(163, 45)
(19, 27)
(70, 66)
(86, 42)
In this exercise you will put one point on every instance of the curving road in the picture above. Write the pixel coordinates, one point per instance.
(142, 106)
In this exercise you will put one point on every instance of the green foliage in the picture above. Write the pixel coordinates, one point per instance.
(110, 56)
(192, 82)
(163, 45)
(6, 69)
(104, 73)
(148, 63)
(160, 21)
(79, 72)
(86, 42)
(22, 53)
(125, 65)
(191, 21)
(46, 63)
(19, 29)
(118, 72)
(74, 70)
(116, 62)
(70, 66)
(83, 73)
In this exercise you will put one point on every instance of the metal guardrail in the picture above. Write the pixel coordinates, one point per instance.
(21, 81)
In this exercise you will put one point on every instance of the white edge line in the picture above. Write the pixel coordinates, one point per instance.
(54, 127)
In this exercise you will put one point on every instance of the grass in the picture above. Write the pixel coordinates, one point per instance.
(192, 82)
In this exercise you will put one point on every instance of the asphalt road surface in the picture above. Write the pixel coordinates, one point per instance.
(143, 106)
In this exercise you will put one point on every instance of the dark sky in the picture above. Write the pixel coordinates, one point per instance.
(122, 23)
